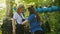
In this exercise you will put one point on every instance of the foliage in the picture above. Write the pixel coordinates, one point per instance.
(54, 20)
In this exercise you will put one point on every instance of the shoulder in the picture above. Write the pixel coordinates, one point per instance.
(15, 13)
(32, 15)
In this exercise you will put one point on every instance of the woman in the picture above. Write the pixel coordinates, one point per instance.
(34, 21)
(19, 18)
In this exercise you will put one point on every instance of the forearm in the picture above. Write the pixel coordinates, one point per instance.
(25, 22)
(13, 25)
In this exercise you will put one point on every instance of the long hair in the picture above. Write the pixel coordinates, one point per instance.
(32, 11)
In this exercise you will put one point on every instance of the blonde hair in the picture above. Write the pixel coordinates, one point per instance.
(20, 6)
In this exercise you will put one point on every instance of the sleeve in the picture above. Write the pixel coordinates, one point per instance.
(15, 16)
(31, 18)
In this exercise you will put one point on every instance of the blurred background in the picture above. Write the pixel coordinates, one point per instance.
(8, 7)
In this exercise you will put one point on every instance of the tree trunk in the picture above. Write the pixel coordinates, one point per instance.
(7, 22)
(9, 7)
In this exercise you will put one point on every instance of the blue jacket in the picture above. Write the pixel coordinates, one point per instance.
(34, 24)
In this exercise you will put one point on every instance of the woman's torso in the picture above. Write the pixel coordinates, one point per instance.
(34, 24)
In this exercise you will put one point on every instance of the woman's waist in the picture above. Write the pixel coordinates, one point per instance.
(35, 29)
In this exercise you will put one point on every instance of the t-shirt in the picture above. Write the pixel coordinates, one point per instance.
(34, 24)
(18, 17)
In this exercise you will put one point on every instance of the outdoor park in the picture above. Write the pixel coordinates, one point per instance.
(8, 8)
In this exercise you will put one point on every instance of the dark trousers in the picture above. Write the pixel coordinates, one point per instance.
(39, 32)
(19, 29)
(26, 31)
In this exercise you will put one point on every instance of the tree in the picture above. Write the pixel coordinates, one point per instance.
(9, 14)
(9, 7)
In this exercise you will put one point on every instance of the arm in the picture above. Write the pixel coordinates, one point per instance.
(13, 25)
(30, 18)
(25, 23)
